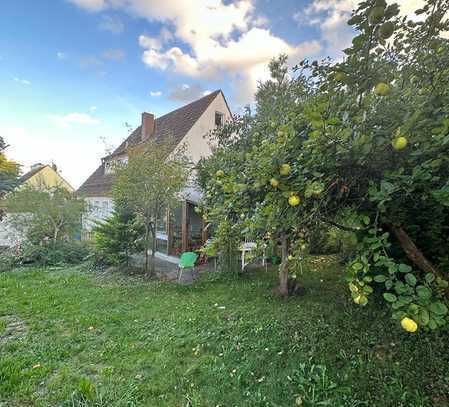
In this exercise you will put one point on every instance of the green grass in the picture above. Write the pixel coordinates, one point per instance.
(113, 340)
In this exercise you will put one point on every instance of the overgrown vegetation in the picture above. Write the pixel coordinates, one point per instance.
(45, 214)
(361, 145)
(148, 184)
(9, 174)
(113, 340)
(48, 221)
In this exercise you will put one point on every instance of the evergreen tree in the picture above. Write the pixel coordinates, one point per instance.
(117, 237)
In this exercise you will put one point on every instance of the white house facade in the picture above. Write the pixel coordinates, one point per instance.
(188, 126)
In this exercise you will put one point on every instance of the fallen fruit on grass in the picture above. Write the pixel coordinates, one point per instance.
(399, 143)
(294, 200)
(409, 325)
(220, 173)
(285, 169)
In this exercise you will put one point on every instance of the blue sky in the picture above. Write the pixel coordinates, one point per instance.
(73, 72)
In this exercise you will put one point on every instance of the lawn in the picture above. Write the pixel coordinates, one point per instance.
(84, 338)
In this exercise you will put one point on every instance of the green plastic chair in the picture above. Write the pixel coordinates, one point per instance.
(187, 261)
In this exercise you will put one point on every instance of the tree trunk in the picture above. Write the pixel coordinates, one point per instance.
(153, 248)
(283, 269)
(147, 244)
(287, 286)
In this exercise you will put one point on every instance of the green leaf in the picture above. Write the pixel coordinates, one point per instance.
(411, 279)
(404, 268)
(400, 287)
(424, 317)
(380, 278)
(357, 19)
(429, 277)
(390, 297)
(438, 308)
(432, 324)
(366, 220)
(423, 292)
(357, 266)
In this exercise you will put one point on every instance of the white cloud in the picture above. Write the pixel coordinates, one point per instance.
(217, 40)
(156, 93)
(90, 5)
(163, 38)
(207, 92)
(114, 54)
(65, 121)
(92, 108)
(111, 24)
(22, 81)
(61, 55)
(243, 58)
(186, 93)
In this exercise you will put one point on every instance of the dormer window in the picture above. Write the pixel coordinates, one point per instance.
(219, 119)
(108, 167)
(111, 164)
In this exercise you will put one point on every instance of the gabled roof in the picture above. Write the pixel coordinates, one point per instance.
(25, 177)
(35, 172)
(174, 125)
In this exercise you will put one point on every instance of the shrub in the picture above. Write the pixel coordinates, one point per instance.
(8, 260)
(51, 254)
(117, 238)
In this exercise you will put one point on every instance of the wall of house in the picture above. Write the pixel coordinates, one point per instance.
(49, 178)
(9, 235)
(99, 209)
(197, 145)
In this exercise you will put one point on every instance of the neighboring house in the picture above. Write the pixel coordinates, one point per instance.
(183, 228)
(40, 176)
(43, 176)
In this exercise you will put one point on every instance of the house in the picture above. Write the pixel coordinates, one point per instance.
(42, 177)
(182, 229)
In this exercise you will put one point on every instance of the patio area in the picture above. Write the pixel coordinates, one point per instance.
(167, 268)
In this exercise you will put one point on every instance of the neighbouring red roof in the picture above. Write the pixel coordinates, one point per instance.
(175, 125)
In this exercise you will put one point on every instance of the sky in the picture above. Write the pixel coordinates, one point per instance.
(75, 74)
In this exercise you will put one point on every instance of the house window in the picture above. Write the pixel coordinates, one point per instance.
(108, 167)
(111, 165)
(218, 119)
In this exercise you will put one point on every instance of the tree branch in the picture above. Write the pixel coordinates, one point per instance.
(337, 225)
(413, 253)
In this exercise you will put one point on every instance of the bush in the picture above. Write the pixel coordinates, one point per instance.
(8, 260)
(51, 254)
(117, 238)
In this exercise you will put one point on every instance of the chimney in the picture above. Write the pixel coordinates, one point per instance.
(148, 126)
(36, 166)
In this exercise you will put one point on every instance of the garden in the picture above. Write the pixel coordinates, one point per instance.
(71, 336)
(339, 177)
